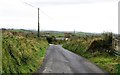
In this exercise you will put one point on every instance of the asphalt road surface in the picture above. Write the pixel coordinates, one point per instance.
(59, 60)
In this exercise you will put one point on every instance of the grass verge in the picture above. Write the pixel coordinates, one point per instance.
(104, 60)
(21, 54)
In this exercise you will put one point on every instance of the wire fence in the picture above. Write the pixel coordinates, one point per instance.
(116, 53)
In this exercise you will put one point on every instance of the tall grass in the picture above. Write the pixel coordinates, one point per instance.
(97, 49)
(21, 54)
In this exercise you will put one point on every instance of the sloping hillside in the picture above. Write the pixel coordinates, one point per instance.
(21, 53)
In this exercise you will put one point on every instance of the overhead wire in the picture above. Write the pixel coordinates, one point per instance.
(29, 4)
(41, 11)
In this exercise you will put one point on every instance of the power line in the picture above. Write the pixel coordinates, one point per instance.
(49, 17)
(40, 9)
(29, 4)
(38, 34)
(46, 14)
(41, 12)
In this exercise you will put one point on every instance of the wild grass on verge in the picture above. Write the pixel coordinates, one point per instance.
(98, 53)
(21, 54)
(109, 63)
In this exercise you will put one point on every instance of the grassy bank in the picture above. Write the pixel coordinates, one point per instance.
(21, 52)
(100, 57)
(0, 51)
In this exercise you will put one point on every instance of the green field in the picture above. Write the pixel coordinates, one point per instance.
(22, 52)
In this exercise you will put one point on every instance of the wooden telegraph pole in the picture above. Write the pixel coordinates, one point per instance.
(74, 31)
(38, 24)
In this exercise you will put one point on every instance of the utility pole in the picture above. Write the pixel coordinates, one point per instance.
(38, 24)
(38, 34)
(74, 31)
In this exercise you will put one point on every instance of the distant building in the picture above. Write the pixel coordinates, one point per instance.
(60, 38)
(67, 35)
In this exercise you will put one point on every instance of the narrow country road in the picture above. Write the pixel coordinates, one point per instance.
(59, 60)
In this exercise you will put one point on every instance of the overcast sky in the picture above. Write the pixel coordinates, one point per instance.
(61, 15)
